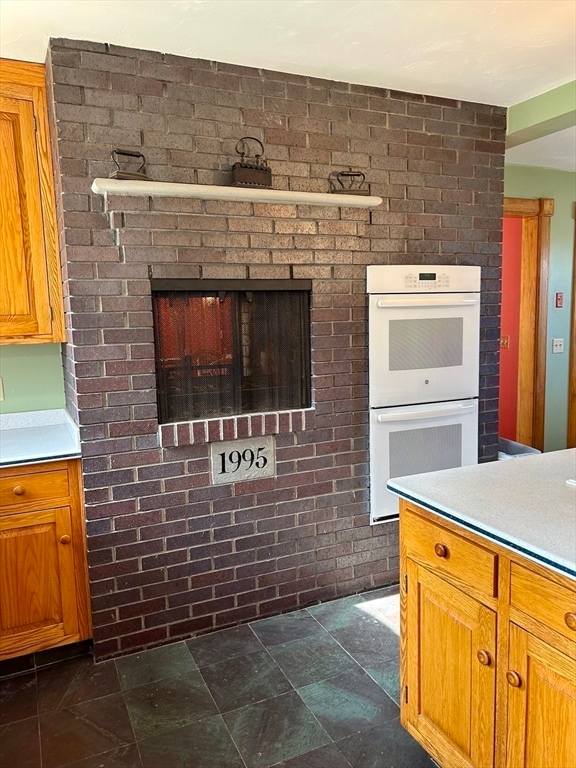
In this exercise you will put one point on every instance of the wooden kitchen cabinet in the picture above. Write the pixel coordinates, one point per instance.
(541, 704)
(488, 648)
(541, 670)
(43, 574)
(449, 667)
(31, 308)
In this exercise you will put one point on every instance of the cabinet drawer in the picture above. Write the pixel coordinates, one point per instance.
(30, 488)
(466, 564)
(549, 603)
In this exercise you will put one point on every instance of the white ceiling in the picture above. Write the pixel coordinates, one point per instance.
(492, 51)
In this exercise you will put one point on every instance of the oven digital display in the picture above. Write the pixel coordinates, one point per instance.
(427, 276)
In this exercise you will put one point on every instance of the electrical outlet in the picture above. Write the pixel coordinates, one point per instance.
(557, 346)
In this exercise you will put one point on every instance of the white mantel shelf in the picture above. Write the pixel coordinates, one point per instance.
(230, 194)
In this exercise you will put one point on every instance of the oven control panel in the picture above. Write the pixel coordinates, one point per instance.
(427, 281)
(422, 278)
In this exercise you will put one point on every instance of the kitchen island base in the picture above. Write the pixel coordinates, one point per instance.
(488, 649)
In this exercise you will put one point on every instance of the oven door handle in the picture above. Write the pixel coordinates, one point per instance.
(415, 416)
(429, 301)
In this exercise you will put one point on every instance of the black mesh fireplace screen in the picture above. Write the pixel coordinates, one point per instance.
(225, 352)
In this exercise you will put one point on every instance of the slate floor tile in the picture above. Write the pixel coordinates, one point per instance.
(386, 746)
(80, 680)
(287, 627)
(203, 744)
(54, 682)
(390, 594)
(324, 757)
(225, 700)
(168, 704)
(223, 645)
(387, 675)
(84, 730)
(18, 698)
(156, 664)
(276, 729)
(244, 680)
(339, 613)
(312, 659)
(20, 744)
(123, 757)
(348, 703)
(366, 641)
(384, 605)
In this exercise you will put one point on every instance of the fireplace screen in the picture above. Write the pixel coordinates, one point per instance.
(231, 351)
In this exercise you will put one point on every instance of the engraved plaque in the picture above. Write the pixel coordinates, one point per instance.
(239, 460)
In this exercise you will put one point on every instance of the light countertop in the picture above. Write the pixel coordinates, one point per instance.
(26, 438)
(525, 504)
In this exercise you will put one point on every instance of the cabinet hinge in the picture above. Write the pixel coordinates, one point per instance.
(35, 123)
(405, 694)
(406, 583)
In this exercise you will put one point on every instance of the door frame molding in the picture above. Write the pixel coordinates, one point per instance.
(535, 215)
(571, 432)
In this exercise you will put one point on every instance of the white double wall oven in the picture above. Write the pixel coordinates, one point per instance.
(423, 354)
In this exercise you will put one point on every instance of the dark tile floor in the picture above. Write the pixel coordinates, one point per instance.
(316, 688)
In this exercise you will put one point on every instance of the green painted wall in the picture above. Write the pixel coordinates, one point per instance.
(32, 377)
(528, 182)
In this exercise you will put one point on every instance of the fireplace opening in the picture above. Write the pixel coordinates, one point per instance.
(231, 347)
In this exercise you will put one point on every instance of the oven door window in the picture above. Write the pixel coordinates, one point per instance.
(434, 342)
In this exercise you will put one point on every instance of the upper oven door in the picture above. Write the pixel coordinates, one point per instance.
(423, 348)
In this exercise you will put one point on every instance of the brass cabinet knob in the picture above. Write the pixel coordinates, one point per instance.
(570, 619)
(484, 658)
(513, 678)
(65, 539)
(441, 550)
(18, 490)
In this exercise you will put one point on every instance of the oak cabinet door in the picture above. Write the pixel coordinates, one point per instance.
(31, 308)
(541, 704)
(24, 307)
(38, 605)
(450, 670)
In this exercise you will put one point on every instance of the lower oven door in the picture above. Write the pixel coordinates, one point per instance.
(418, 438)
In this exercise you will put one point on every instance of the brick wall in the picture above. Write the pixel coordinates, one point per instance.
(170, 554)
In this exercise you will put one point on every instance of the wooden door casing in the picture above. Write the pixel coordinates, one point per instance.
(535, 215)
(571, 436)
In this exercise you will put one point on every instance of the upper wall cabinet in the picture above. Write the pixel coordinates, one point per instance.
(31, 308)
